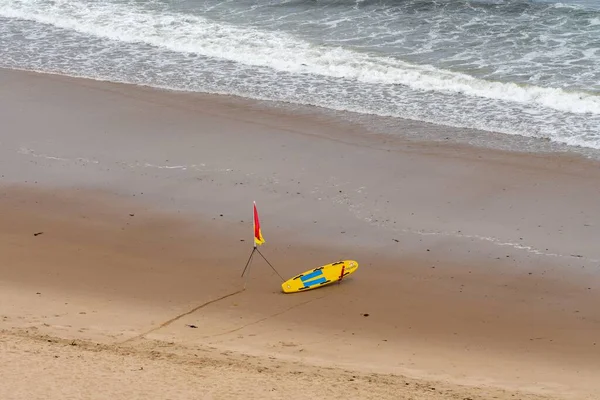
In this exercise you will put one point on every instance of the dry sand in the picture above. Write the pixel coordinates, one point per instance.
(478, 268)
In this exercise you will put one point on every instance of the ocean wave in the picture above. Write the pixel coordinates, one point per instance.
(509, 6)
(186, 33)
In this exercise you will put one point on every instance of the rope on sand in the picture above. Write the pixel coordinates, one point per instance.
(169, 322)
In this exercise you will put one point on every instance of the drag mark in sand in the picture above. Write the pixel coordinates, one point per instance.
(170, 321)
(258, 321)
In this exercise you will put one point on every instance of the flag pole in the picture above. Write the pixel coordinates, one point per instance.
(254, 249)
(249, 260)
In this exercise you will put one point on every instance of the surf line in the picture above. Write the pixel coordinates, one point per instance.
(169, 322)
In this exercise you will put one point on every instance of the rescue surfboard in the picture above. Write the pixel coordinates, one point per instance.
(321, 276)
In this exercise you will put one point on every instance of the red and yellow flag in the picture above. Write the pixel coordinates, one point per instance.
(258, 239)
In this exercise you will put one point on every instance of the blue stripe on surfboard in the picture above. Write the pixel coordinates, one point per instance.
(308, 277)
(315, 282)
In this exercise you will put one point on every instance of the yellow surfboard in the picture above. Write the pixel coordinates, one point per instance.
(318, 277)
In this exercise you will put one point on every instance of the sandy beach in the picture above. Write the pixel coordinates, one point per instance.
(125, 223)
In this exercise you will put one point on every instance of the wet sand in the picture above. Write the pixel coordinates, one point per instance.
(478, 268)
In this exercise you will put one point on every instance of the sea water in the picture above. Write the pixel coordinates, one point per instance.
(515, 67)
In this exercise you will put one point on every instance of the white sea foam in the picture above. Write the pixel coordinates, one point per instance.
(131, 23)
(133, 165)
(567, 6)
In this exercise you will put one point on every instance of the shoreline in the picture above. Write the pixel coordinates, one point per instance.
(466, 255)
(383, 127)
